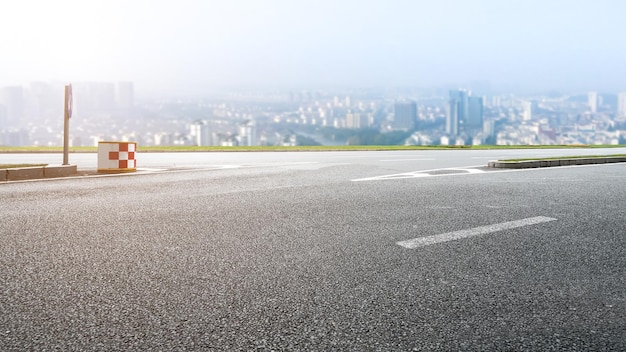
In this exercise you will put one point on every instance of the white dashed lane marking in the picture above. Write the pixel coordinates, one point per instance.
(456, 235)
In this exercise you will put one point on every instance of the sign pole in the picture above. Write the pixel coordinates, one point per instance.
(67, 112)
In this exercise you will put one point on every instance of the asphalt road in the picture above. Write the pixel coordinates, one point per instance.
(398, 160)
(301, 251)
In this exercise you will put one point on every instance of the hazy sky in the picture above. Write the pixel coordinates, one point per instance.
(194, 44)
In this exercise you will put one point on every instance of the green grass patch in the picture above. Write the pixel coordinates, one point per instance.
(565, 157)
(353, 148)
(279, 148)
(11, 166)
(298, 148)
(5, 149)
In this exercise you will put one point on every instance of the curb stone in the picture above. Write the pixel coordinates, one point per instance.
(59, 171)
(553, 162)
(37, 172)
(24, 173)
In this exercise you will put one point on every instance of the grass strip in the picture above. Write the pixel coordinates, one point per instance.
(13, 166)
(564, 157)
(170, 149)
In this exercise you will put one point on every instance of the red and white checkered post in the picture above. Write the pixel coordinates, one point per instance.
(114, 157)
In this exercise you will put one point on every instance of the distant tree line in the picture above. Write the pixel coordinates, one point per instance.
(374, 137)
(347, 136)
(306, 141)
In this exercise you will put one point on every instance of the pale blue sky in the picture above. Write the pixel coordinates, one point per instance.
(194, 44)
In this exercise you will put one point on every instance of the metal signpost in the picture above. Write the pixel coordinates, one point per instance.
(66, 123)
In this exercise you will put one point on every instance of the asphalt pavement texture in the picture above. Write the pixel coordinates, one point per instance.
(301, 257)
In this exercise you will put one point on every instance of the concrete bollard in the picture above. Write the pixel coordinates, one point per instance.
(117, 157)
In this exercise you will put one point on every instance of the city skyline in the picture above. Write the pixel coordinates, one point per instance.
(32, 115)
(189, 47)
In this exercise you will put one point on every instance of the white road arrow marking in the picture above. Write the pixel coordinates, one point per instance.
(453, 171)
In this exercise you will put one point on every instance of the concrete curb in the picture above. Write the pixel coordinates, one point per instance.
(24, 173)
(526, 164)
(37, 172)
(59, 171)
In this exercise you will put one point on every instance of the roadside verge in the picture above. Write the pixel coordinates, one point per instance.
(35, 172)
(526, 164)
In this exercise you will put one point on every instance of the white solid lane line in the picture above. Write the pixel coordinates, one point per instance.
(394, 160)
(451, 236)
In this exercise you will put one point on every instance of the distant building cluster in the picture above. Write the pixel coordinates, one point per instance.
(33, 115)
(405, 115)
(464, 114)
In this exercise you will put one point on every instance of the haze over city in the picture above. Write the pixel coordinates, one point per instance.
(190, 46)
(312, 175)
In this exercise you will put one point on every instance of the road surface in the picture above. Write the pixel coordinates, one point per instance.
(380, 251)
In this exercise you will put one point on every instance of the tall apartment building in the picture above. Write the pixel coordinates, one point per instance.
(621, 104)
(475, 114)
(125, 97)
(246, 133)
(200, 133)
(12, 101)
(527, 111)
(592, 101)
(405, 115)
(465, 113)
(357, 120)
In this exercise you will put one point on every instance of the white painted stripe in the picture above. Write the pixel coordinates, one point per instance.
(456, 235)
(473, 171)
(147, 169)
(423, 159)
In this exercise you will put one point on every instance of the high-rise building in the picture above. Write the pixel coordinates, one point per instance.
(458, 110)
(163, 138)
(246, 133)
(199, 133)
(527, 112)
(405, 115)
(14, 137)
(44, 100)
(465, 113)
(4, 121)
(357, 120)
(621, 104)
(125, 95)
(496, 101)
(352, 120)
(489, 127)
(13, 100)
(592, 101)
(475, 114)
(94, 96)
(104, 97)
